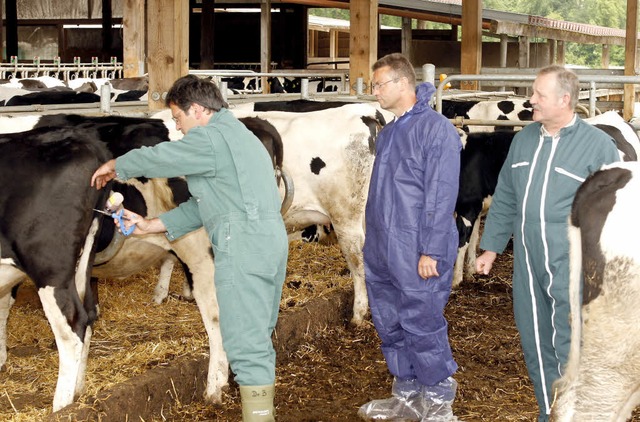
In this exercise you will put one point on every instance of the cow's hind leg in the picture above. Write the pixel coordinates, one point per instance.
(161, 290)
(5, 305)
(351, 244)
(71, 347)
(10, 278)
(199, 262)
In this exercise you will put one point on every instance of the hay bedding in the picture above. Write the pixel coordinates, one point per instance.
(327, 378)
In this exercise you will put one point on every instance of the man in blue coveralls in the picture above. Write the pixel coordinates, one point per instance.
(547, 162)
(411, 245)
(235, 197)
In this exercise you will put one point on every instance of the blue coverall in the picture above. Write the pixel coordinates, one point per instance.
(409, 213)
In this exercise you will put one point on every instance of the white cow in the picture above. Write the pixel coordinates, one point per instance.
(602, 379)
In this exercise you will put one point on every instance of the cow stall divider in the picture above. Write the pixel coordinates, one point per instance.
(64, 71)
(586, 81)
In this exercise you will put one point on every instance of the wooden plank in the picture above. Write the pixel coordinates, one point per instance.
(363, 41)
(207, 34)
(265, 42)
(168, 40)
(406, 38)
(630, 57)
(133, 31)
(471, 46)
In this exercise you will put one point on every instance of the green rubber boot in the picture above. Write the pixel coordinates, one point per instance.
(257, 403)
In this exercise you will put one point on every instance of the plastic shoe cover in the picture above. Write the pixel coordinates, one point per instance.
(392, 409)
(398, 407)
(437, 400)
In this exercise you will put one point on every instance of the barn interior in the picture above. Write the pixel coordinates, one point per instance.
(278, 36)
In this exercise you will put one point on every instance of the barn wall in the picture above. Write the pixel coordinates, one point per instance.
(63, 9)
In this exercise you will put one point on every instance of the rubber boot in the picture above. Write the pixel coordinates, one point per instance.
(398, 407)
(257, 403)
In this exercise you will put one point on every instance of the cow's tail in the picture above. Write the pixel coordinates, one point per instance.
(575, 298)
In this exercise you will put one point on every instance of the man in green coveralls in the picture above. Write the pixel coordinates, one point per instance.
(235, 197)
(547, 162)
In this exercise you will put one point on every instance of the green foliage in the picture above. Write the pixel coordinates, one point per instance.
(608, 13)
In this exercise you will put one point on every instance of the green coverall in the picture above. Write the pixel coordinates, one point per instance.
(234, 195)
(532, 201)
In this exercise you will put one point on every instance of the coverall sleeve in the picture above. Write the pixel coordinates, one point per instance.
(498, 227)
(182, 220)
(441, 182)
(192, 155)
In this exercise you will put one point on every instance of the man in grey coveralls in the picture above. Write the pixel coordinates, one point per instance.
(235, 197)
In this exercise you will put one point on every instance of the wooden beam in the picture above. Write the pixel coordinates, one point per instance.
(630, 57)
(604, 62)
(406, 38)
(471, 48)
(533, 31)
(265, 42)
(2, 26)
(133, 38)
(413, 14)
(207, 34)
(561, 52)
(363, 41)
(168, 38)
(107, 37)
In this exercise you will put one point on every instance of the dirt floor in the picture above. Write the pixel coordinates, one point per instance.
(327, 377)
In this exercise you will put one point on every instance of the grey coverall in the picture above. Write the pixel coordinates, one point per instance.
(532, 202)
(235, 197)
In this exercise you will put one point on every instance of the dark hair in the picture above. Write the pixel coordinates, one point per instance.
(192, 89)
(400, 66)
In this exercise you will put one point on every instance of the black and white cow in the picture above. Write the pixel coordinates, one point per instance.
(482, 159)
(507, 109)
(602, 379)
(329, 154)
(47, 169)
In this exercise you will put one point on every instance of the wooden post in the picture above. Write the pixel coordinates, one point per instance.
(523, 52)
(553, 50)
(168, 58)
(333, 44)
(406, 38)
(265, 43)
(560, 52)
(207, 34)
(363, 41)
(504, 49)
(471, 54)
(605, 56)
(630, 57)
(133, 36)
(1, 26)
(107, 37)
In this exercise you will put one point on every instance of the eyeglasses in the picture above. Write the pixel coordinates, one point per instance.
(381, 84)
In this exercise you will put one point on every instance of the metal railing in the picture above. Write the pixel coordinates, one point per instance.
(260, 78)
(588, 81)
(64, 71)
